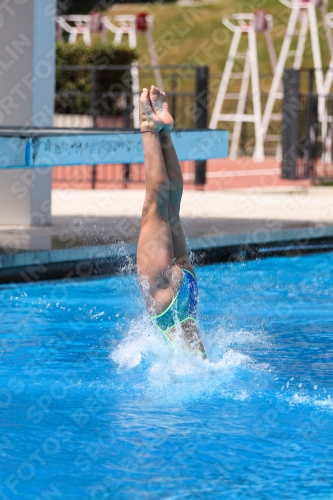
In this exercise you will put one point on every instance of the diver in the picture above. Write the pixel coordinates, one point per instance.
(166, 275)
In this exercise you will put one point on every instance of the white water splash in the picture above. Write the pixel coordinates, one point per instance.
(306, 399)
(171, 374)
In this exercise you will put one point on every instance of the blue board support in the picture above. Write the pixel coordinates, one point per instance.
(49, 148)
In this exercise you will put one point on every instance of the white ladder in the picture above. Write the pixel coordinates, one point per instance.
(243, 24)
(305, 13)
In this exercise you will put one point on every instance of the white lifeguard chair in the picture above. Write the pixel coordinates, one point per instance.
(125, 25)
(75, 25)
(303, 13)
(249, 25)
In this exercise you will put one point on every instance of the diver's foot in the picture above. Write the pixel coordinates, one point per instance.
(149, 120)
(159, 104)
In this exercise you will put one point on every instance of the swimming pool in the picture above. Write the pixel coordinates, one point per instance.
(95, 405)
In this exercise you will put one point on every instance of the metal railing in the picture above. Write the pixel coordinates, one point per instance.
(307, 130)
(108, 97)
(109, 176)
(307, 85)
(315, 127)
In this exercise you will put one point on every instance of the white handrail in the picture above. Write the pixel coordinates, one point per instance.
(329, 19)
(245, 21)
(226, 20)
(127, 27)
(82, 27)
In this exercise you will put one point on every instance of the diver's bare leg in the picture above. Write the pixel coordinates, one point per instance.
(176, 192)
(160, 106)
(181, 257)
(159, 277)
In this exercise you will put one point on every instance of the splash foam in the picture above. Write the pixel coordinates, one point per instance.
(170, 374)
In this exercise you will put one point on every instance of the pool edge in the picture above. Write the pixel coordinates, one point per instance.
(85, 262)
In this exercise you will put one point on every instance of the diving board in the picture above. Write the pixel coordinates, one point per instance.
(33, 148)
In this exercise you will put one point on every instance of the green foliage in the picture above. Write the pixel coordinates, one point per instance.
(75, 87)
(86, 6)
(196, 35)
(99, 54)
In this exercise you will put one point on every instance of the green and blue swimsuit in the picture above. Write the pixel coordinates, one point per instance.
(183, 307)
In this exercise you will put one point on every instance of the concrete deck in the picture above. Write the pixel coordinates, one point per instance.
(86, 222)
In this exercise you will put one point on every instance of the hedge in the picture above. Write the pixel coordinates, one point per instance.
(75, 86)
(86, 6)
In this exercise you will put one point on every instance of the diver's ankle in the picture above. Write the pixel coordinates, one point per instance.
(145, 126)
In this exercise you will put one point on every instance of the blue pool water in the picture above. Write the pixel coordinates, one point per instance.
(95, 405)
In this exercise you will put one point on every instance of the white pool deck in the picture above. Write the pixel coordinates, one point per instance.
(89, 224)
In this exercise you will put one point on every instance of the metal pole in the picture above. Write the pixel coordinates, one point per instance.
(153, 57)
(126, 177)
(290, 115)
(311, 81)
(93, 112)
(93, 176)
(201, 116)
(258, 154)
(311, 134)
(312, 127)
(127, 121)
(136, 93)
(173, 99)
